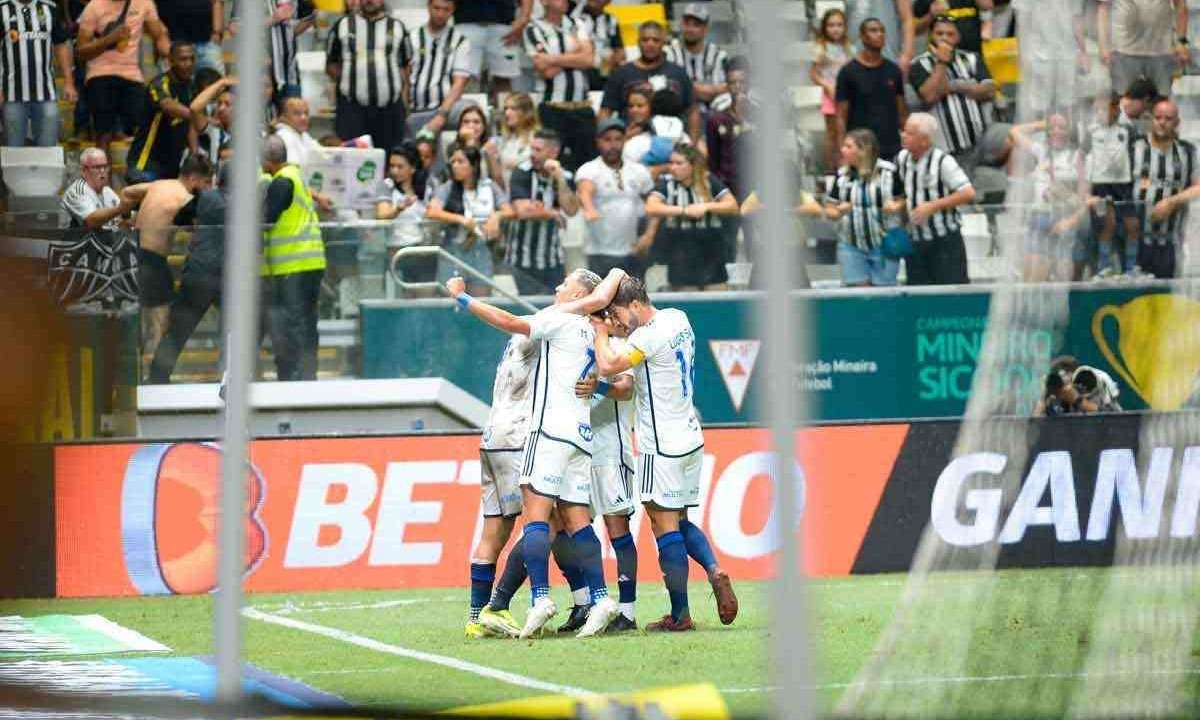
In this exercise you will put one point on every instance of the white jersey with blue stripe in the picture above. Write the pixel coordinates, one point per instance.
(508, 421)
(612, 430)
(667, 423)
(566, 356)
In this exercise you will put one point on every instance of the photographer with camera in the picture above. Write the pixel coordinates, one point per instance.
(1071, 388)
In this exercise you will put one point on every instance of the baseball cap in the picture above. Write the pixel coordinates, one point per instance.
(610, 123)
(696, 10)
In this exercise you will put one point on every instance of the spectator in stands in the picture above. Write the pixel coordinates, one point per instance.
(110, 38)
(159, 145)
(200, 280)
(833, 51)
(163, 205)
(934, 187)
(562, 52)
(1053, 61)
(33, 35)
(201, 23)
(402, 201)
(468, 205)
(519, 126)
(691, 203)
(868, 198)
(896, 20)
(651, 70)
(367, 57)
(439, 69)
(292, 127)
(870, 91)
(640, 143)
(427, 151)
(1143, 38)
(612, 192)
(703, 60)
(1135, 102)
(1109, 167)
(1052, 242)
(542, 196)
(605, 32)
(89, 200)
(287, 20)
(972, 18)
(1165, 179)
(494, 29)
(212, 132)
(71, 10)
(729, 132)
(472, 132)
(956, 85)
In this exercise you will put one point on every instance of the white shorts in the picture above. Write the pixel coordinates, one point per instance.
(557, 469)
(671, 483)
(500, 483)
(612, 490)
(502, 60)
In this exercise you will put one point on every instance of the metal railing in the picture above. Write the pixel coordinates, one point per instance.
(441, 254)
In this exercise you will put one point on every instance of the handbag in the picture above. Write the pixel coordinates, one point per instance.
(897, 243)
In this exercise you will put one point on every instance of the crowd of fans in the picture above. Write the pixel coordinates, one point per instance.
(658, 172)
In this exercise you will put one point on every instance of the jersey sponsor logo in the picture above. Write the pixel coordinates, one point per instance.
(736, 360)
(585, 431)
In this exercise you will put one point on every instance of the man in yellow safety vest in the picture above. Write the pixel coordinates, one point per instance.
(293, 264)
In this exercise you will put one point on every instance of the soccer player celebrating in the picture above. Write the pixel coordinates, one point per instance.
(556, 464)
(662, 348)
(500, 470)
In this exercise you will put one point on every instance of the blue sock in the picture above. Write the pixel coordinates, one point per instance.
(590, 559)
(626, 551)
(537, 558)
(511, 579)
(565, 557)
(697, 545)
(673, 559)
(482, 577)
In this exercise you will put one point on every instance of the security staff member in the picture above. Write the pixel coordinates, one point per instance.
(294, 265)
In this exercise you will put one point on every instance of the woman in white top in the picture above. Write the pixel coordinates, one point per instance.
(402, 197)
(639, 133)
(521, 123)
(469, 205)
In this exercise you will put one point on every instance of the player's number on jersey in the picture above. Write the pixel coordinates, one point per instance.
(687, 373)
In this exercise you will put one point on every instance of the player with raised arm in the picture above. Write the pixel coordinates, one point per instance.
(500, 471)
(662, 349)
(556, 463)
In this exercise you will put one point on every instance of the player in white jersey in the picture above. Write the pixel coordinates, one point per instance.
(500, 469)
(662, 350)
(556, 463)
(612, 486)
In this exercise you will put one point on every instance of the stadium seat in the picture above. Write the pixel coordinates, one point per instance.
(33, 171)
(976, 235)
(630, 16)
(595, 97)
(480, 99)
(411, 17)
(1186, 85)
(823, 6)
(1003, 60)
(314, 84)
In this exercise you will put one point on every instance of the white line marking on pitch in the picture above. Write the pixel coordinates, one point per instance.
(971, 679)
(293, 608)
(444, 661)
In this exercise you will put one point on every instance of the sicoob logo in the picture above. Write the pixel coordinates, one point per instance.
(170, 504)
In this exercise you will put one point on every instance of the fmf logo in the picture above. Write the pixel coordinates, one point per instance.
(967, 516)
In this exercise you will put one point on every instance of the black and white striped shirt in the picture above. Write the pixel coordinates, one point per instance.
(706, 67)
(31, 30)
(932, 177)
(80, 201)
(284, 68)
(960, 117)
(535, 244)
(436, 60)
(864, 226)
(604, 30)
(372, 54)
(676, 193)
(1157, 175)
(570, 85)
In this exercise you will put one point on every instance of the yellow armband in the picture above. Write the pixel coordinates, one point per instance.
(636, 357)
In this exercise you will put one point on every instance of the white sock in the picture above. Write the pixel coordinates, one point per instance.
(582, 596)
(627, 610)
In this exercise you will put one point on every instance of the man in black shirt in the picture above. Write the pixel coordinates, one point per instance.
(652, 70)
(200, 22)
(158, 147)
(494, 28)
(870, 92)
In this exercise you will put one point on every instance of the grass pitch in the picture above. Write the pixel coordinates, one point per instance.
(1029, 648)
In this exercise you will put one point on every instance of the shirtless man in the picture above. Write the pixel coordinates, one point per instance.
(160, 208)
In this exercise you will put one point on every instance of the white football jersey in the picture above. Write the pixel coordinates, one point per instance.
(667, 424)
(567, 355)
(508, 420)
(612, 428)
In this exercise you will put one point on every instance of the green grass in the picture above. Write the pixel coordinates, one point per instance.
(1012, 643)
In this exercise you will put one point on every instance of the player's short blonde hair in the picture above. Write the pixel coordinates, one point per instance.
(586, 278)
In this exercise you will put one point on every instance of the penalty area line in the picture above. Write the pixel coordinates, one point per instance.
(454, 663)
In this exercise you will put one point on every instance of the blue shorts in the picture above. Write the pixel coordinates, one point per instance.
(859, 266)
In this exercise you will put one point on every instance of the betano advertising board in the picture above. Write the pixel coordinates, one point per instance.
(350, 513)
